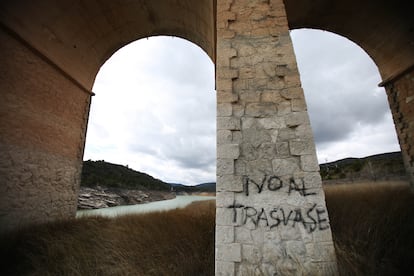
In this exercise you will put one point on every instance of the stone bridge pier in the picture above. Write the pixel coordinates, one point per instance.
(400, 92)
(271, 214)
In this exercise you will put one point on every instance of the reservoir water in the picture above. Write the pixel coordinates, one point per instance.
(163, 205)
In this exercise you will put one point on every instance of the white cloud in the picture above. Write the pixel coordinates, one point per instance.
(154, 110)
(348, 111)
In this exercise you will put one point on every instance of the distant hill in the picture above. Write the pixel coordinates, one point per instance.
(204, 187)
(384, 166)
(101, 173)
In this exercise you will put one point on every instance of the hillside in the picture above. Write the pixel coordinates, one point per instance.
(386, 166)
(204, 188)
(108, 175)
(101, 173)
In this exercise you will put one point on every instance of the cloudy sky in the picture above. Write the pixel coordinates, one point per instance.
(154, 108)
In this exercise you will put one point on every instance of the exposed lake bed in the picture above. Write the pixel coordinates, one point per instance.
(180, 201)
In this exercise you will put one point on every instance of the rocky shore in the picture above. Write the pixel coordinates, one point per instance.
(101, 197)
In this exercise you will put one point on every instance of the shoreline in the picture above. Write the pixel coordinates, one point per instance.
(103, 197)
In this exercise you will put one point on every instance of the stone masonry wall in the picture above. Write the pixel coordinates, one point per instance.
(271, 213)
(43, 117)
(400, 94)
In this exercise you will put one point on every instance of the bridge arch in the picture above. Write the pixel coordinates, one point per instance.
(385, 30)
(340, 82)
(51, 54)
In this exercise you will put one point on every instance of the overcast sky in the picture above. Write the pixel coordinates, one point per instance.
(154, 108)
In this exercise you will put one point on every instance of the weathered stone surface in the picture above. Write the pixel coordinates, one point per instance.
(286, 166)
(230, 182)
(225, 268)
(300, 147)
(225, 234)
(275, 199)
(228, 252)
(225, 167)
(309, 163)
(228, 151)
(228, 123)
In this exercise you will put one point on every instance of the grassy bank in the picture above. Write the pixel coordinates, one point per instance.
(372, 225)
(179, 242)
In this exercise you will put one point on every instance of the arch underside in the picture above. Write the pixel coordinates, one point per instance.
(79, 36)
(383, 28)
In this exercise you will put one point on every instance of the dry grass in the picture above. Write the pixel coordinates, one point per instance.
(179, 242)
(372, 225)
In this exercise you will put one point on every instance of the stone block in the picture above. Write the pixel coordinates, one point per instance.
(311, 179)
(228, 151)
(296, 250)
(295, 119)
(256, 137)
(251, 254)
(284, 107)
(304, 132)
(292, 93)
(224, 234)
(272, 96)
(302, 147)
(239, 167)
(237, 137)
(286, 134)
(224, 86)
(259, 167)
(224, 217)
(228, 252)
(267, 151)
(287, 166)
(272, 252)
(248, 152)
(227, 73)
(282, 149)
(229, 183)
(224, 198)
(309, 163)
(274, 122)
(250, 96)
(224, 109)
(224, 136)
(225, 166)
(238, 110)
(299, 105)
(243, 235)
(260, 110)
(226, 96)
(228, 123)
(225, 268)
